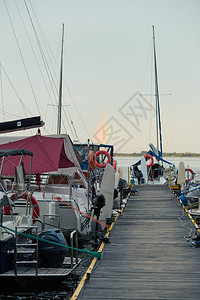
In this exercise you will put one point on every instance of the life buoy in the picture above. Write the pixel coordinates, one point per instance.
(106, 154)
(148, 156)
(91, 161)
(115, 165)
(36, 208)
(191, 172)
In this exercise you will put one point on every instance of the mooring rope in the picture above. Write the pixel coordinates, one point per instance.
(81, 212)
(192, 205)
(91, 253)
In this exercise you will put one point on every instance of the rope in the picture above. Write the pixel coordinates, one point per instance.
(192, 205)
(22, 104)
(22, 58)
(91, 253)
(184, 225)
(81, 212)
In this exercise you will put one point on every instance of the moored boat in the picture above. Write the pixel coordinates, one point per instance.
(65, 193)
(25, 251)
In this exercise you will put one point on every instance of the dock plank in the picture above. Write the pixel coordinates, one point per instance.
(149, 255)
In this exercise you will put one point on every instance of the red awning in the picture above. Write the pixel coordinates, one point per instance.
(48, 155)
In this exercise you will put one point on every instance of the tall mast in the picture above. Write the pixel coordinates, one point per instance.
(158, 119)
(60, 88)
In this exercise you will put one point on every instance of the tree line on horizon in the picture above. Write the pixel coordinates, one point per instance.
(176, 154)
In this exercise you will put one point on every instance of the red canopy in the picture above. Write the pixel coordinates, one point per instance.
(48, 155)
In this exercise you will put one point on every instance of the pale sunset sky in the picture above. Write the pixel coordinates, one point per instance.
(108, 75)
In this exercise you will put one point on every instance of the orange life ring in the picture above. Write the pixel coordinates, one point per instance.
(192, 173)
(36, 208)
(148, 156)
(91, 161)
(115, 165)
(106, 154)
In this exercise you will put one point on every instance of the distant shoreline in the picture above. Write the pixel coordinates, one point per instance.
(174, 154)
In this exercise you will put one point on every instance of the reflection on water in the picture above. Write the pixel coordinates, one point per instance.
(39, 290)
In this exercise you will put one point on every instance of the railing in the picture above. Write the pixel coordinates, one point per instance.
(20, 248)
(74, 233)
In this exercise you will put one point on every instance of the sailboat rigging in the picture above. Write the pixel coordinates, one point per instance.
(158, 118)
(155, 170)
(60, 88)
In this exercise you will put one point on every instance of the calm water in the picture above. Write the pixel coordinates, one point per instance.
(125, 162)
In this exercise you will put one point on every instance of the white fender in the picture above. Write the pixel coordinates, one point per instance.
(107, 189)
(181, 174)
(117, 177)
(144, 169)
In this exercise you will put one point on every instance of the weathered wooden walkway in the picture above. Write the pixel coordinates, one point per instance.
(147, 257)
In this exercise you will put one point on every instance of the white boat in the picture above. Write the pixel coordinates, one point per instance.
(54, 159)
(26, 252)
(64, 192)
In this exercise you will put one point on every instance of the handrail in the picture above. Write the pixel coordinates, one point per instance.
(72, 246)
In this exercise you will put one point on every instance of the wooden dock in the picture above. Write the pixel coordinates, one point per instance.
(148, 257)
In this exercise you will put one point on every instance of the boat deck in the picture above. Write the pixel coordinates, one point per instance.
(43, 272)
(148, 256)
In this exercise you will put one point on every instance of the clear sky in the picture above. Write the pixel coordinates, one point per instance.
(108, 69)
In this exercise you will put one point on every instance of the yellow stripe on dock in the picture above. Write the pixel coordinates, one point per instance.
(89, 270)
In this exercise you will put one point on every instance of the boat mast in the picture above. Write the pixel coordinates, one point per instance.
(60, 88)
(158, 119)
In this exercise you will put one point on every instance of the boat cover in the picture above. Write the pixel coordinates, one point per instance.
(49, 154)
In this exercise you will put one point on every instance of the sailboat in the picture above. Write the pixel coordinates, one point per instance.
(63, 192)
(154, 171)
